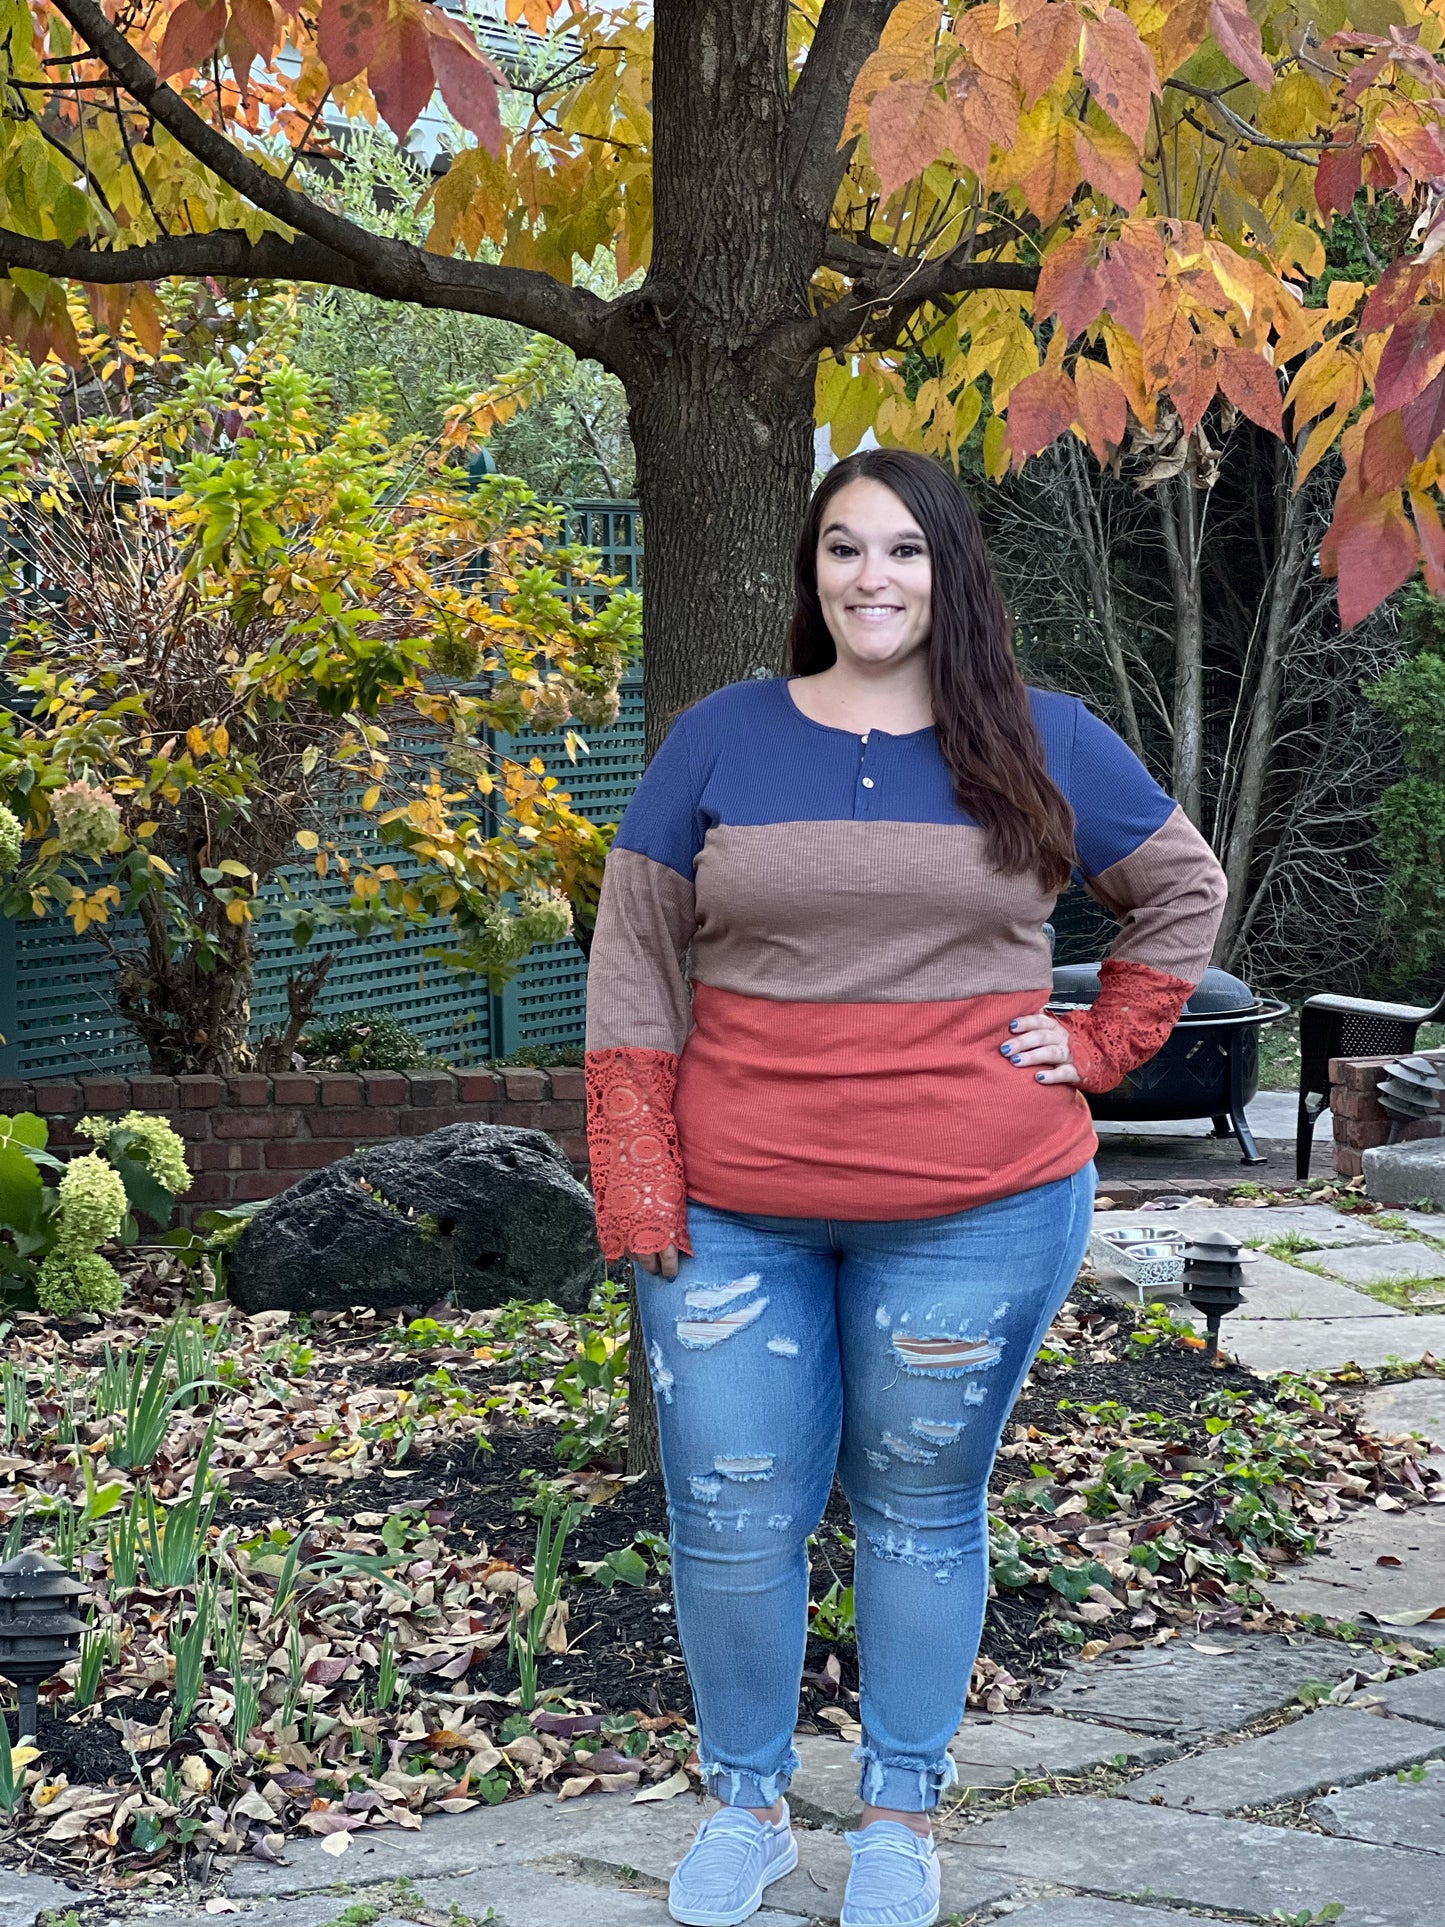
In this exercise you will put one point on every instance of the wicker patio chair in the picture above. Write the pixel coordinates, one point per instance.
(1331, 1026)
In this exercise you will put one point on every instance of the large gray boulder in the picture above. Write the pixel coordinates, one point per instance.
(475, 1213)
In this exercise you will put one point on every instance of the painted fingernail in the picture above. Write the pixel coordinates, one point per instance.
(1038, 1077)
(1007, 1049)
(1015, 1024)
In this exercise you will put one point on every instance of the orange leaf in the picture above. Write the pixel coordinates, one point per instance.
(1170, 344)
(1044, 164)
(1432, 541)
(1239, 40)
(1109, 164)
(983, 113)
(1371, 548)
(1385, 458)
(1071, 284)
(1048, 44)
(908, 128)
(1131, 273)
(192, 35)
(468, 80)
(1040, 408)
(107, 305)
(400, 73)
(145, 319)
(1103, 411)
(1252, 385)
(1185, 31)
(1393, 297)
(1117, 66)
(250, 35)
(349, 36)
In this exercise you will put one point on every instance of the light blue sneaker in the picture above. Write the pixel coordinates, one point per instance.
(734, 1857)
(893, 1881)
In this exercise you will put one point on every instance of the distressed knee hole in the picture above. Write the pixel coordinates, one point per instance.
(940, 1562)
(779, 1521)
(706, 1489)
(783, 1347)
(945, 1357)
(716, 1317)
(662, 1379)
(714, 1297)
(937, 1431)
(754, 1465)
(905, 1451)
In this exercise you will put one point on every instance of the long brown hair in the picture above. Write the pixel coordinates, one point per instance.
(980, 705)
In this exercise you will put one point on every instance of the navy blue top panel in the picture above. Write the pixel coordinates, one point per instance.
(747, 755)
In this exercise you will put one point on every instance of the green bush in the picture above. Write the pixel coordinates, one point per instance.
(365, 1040)
(54, 1217)
(1410, 816)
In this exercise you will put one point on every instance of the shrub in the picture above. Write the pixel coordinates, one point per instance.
(365, 1041)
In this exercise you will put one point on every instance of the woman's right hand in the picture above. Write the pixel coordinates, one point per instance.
(661, 1264)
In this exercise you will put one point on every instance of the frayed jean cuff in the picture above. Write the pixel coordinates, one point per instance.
(903, 1785)
(737, 1788)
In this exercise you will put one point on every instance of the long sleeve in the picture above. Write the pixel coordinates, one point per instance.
(639, 1011)
(1141, 857)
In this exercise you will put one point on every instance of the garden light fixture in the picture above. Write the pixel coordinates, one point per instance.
(1214, 1280)
(38, 1632)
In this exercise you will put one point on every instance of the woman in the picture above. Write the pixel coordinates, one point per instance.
(831, 1117)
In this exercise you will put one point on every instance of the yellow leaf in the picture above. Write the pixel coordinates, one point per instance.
(995, 449)
(196, 740)
(308, 839)
(146, 829)
(372, 797)
(237, 911)
(221, 740)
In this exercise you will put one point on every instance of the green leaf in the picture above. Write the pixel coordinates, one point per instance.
(147, 1835)
(626, 1567)
(143, 1192)
(21, 1193)
(26, 1128)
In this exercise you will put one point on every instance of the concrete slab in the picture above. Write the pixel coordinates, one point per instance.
(988, 1752)
(1117, 1849)
(1406, 1173)
(1418, 1696)
(1347, 1581)
(1334, 1747)
(1093, 1913)
(1417, 1406)
(1382, 1264)
(1408, 1811)
(25, 1896)
(1179, 1691)
(1432, 1223)
(1327, 1344)
(1274, 1289)
(1256, 1224)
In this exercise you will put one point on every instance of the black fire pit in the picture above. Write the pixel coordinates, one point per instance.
(1208, 1068)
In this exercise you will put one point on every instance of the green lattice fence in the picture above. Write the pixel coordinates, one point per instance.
(56, 1009)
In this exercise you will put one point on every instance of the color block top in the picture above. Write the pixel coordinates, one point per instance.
(805, 966)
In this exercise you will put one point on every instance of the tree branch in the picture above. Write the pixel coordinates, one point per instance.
(847, 32)
(383, 266)
(898, 287)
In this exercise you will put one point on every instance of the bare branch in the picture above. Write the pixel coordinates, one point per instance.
(847, 32)
(897, 290)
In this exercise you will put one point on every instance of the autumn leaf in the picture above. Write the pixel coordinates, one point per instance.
(1370, 548)
(1413, 356)
(1040, 409)
(399, 74)
(1252, 385)
(1072, 284)
(1119, 71)
(1432, 541)
(468, 80)
(983, 114)
(1385, 458)
(1043, 162)
(1423, 419)
(1048, 45)
(1108, 162)
(349, 36)
(908, 128)
(192, 35)
(1103, 412)
(1186, 28)
(1132, 269)
(1239, 40)
(1337, 177)
(1191, 387)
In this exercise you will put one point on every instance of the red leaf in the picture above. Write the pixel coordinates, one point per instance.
(1131, 273)
(1423, 419)
(349, 36)
(192, 35)
(1191, 387)
(1414, 355)
(908, 128)
(1071, 285)
(1385, 458)
(469, 82)
(1240, 41)
(1394, 296)
(1252, 385)
(1048, 44)
(1109, 164)
(1432, 541)
(1103, 411)
(400, 75)
(251, 35)
(1371, 548)
(1337, 178)
(1039, 410)
(1118, 68)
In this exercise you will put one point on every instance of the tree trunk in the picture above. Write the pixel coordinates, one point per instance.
(1094, 548)
(1181, 516)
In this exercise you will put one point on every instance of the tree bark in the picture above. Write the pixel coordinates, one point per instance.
(1181, 517)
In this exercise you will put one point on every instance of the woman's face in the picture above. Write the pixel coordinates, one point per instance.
(875, 577)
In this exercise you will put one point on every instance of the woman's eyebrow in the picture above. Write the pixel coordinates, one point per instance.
(901, 535)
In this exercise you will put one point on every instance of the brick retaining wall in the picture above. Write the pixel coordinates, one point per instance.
(1360, 1120)
(250, 1136)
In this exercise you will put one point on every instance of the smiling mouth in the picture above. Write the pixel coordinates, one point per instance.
(875, 609)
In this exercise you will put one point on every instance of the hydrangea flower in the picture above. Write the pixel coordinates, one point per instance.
(71, 1281)
(87, 819)
(12, 835)
(160, 1149)
(91, 1204)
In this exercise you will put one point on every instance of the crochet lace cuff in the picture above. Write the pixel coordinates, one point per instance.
(637, 1179)
(1135, 1011)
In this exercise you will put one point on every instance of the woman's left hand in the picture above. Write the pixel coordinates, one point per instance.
(1041, 1045)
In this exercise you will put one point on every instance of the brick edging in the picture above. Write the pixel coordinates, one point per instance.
(1360, 1120)
(249, 1136)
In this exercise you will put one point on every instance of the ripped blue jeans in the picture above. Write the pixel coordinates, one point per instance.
(894, 1352)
